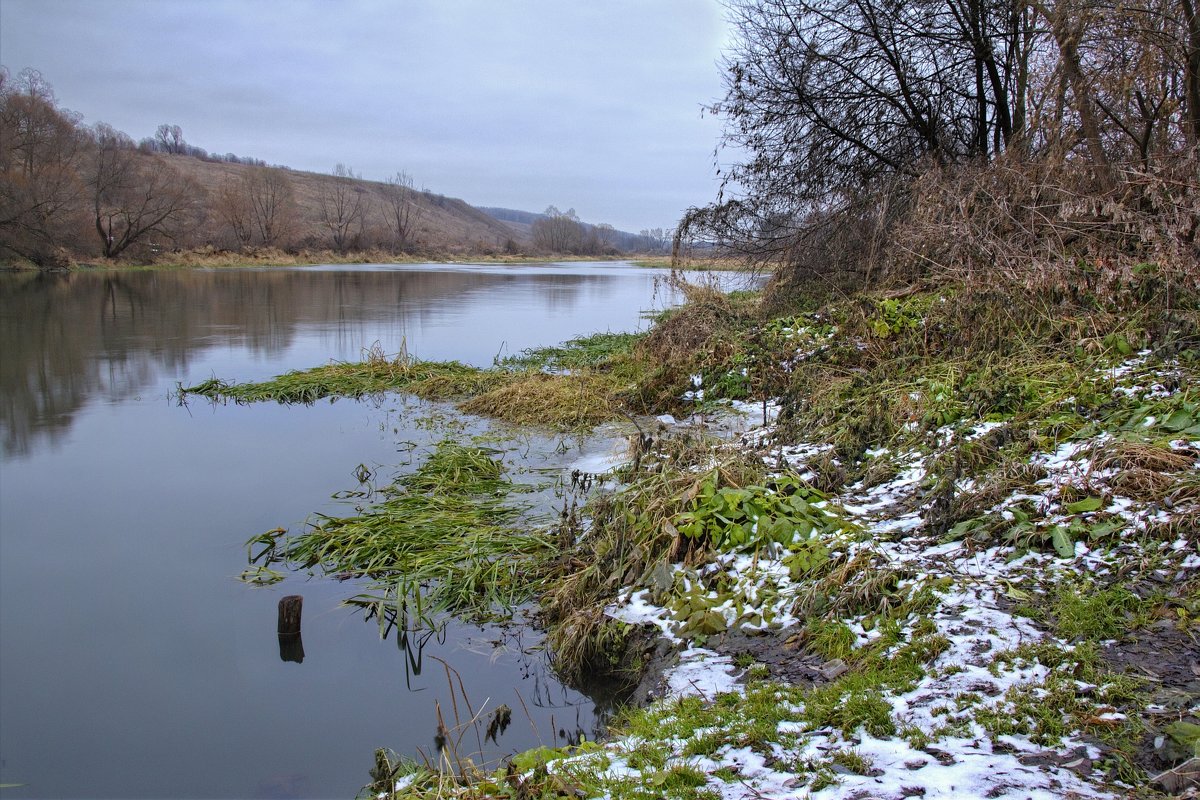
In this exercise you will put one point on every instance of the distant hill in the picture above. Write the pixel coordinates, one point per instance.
(70, 192)
(441, 224)
(521, 223)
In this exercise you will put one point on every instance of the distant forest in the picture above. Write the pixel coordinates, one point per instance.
(563, 232)
(71, 192)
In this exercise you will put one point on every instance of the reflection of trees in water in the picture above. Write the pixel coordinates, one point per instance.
(573, 717)
(70, 337)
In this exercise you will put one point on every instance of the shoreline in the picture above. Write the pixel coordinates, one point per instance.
(275, 258)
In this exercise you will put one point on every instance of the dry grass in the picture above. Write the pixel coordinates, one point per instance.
(559, 401)
(999, 484)
(689, 329)
(863, 584)
(1144, 485)
(1143, 457)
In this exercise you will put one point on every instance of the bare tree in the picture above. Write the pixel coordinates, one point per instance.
(606, 237)
(832, 96)
(169, 139)
(135, 195)
(343, 206)
(1191, 58)
(836, 107)
(656, 239)
(272, 203)
(233, 207)
(401, 210)
(558, 231)
(40, 152)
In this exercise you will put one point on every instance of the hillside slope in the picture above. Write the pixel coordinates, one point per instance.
(441, 223)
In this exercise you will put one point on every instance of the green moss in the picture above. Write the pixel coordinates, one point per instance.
(1085, 612)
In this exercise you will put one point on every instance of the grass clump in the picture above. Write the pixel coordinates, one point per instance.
(1077, 694)
(596, 351)
(631, 536)
(431, 380)
(446, 537)
(565, 402)
(1085, 612)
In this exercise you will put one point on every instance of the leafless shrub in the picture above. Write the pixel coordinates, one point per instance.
(1039, 225)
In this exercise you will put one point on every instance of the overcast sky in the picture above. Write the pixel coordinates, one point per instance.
(518, 103)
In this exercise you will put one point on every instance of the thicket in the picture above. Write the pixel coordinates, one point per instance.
(1031, 146)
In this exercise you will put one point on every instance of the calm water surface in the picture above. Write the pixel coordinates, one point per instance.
(133, 663)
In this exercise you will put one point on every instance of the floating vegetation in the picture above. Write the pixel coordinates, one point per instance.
(430, 380)
(447, 537)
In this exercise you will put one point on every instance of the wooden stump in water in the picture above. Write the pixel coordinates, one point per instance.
(291, 646)
(289, 614)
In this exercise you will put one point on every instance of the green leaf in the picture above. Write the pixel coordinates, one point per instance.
(1105, 528)
(1178, 421)
(1185, 734)
(1085, 505)
(1060, 537)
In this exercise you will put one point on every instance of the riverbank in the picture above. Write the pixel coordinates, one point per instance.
(964, 560)
(959, 556)
(274, 257)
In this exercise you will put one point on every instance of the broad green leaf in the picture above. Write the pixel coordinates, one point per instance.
(1178, 421)
(1085, 505)
(1061, 539)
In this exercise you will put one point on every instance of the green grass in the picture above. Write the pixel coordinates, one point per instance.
(447, 537)
(1069, 699)
(572, 387)
(585, 352)
(427, 379)
(1085, 612)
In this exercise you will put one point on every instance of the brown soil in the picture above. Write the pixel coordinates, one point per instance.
(1168, 659)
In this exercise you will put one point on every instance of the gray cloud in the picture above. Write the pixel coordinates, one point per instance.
(522, 103)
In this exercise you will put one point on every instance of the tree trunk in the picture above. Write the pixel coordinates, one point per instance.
(1191, 76)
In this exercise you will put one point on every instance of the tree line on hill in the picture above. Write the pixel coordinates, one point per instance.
(71, 191)
(879, 141)
(68, 190)
(563, 232)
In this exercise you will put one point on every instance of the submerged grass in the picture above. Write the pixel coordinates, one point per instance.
(447, 537)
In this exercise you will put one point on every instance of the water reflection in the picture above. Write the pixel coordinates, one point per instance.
(71, 337)
(127, 639)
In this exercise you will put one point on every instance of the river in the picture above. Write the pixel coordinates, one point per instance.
(133, 662)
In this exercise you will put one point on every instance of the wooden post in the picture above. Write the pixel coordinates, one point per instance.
(289, 614)
(291, 647)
